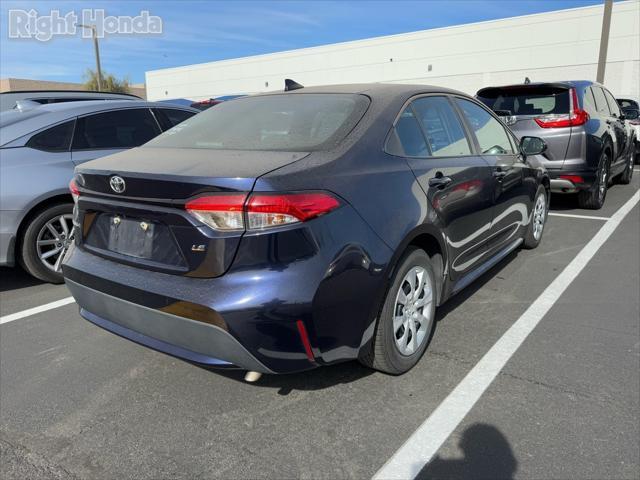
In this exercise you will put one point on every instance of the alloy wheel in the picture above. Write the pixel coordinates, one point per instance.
(602, 187)
(413, 313)
(539, 213)
(53, 240)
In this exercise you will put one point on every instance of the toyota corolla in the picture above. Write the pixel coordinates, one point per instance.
(280, 232)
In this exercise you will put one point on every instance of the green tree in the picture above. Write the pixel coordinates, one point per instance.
(109, 82)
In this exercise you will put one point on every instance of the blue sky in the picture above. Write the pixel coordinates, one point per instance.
(204, 31)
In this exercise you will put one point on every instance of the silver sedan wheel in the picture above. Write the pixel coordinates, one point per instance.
(413, 313)
(539, 214)
(53, 241)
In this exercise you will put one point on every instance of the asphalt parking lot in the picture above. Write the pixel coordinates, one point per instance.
(78, 402)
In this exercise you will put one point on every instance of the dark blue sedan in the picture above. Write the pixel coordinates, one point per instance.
(285, 231)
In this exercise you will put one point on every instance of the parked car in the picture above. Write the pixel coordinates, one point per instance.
(8, 100)
(589, 142)
(39, 147)
(210, 102)
(631, 110)
(330, 236)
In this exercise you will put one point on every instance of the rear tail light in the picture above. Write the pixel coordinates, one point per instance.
(222, 212)
(230, 212)
(576, 117)
(75, 191)
(573, 178)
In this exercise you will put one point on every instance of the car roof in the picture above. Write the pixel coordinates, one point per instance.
(562, 83)
(372, 89)
(15, 124)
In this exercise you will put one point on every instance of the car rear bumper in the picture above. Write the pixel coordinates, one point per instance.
(182, 337)
(562, 182)
(318, 278)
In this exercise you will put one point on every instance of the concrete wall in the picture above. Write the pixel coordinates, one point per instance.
(560, 45)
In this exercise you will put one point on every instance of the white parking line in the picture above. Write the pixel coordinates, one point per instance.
(423, 444)
(34, 310)
(571, 215)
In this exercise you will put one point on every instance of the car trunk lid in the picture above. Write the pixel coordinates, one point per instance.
(131, 207)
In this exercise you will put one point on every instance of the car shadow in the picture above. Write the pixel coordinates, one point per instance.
(561, 202)
(458, 299)
(15, 279)
(309, 380)
(487, 454)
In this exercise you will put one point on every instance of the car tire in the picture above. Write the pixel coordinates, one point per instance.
(406, 320)
(627, 174)
(37, 230)
(538, 220)
(594, 197)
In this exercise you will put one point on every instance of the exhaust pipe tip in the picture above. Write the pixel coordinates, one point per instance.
(252, 376)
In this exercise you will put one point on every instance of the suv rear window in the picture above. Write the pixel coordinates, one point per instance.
(288, 122)
(526, 100)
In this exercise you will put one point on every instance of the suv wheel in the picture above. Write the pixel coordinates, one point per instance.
(538, 219)
(407, 318)
(627, 175)
(594, 197)
(45, 242)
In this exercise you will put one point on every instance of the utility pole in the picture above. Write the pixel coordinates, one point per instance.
(604, 40)
(97, 51)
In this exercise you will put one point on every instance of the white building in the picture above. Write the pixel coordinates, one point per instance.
(560, 45)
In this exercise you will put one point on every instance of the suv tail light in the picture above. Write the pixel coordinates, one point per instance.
(576, 117)
(229, 212)
(75, 191)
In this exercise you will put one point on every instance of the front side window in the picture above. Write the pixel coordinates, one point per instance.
(492, 137)
(118, 129)
(54, 139)
(442, 127)
(290, 122)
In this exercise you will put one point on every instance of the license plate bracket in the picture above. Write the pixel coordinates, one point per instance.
(131, 237)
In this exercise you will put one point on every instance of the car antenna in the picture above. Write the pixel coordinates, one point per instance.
(291, 85)
(527, 81)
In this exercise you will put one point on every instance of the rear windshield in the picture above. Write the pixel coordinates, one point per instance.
(294, 122)
(526, 100)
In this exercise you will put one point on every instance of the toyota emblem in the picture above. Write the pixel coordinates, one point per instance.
(117, 184)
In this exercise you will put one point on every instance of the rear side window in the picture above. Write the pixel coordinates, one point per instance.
(54, 139)
(170, 117)
(409, 135)
(589, 102)
(442, 127)
(524, 100)
(492, 137)
(285, 122)
(601, 101)
(626, 103)
(118, 129)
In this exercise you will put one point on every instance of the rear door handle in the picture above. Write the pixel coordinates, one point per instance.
(439, 181)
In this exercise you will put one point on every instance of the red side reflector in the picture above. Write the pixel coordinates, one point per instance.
(73, 188)
(573, 178)
(302, 330)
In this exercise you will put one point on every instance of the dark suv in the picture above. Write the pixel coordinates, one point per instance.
(589, 142)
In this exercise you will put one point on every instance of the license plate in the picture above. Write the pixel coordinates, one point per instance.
(131, 237)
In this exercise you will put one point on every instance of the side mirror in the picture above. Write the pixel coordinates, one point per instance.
(631, 113)
(532, 145)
